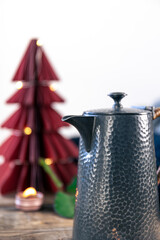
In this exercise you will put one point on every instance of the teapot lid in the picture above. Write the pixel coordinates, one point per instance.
(117, 108)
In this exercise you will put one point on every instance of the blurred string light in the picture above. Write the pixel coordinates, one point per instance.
(52, 88)
(48, 161)
(39, 43)
(2, 160)
(27, 130)
(19, 84)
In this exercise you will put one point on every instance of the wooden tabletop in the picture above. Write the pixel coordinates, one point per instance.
(39, 225)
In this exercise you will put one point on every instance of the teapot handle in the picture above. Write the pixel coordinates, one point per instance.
(156, 113)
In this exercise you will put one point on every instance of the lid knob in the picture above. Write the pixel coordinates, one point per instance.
(117, 97)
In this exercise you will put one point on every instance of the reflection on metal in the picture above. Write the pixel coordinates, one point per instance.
(76, 195)
(115, 234)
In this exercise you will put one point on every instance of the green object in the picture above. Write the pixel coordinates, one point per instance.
(72, 187)
(64, 204)
(51, 173)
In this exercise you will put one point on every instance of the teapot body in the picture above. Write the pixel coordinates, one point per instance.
(117, 195)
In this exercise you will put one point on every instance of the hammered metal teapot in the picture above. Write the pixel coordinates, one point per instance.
(117, 195)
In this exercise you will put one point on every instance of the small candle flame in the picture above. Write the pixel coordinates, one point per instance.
(29, 192)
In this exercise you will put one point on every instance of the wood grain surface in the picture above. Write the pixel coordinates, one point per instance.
(40, 225)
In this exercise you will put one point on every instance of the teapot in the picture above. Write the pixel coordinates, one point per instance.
(117, 195)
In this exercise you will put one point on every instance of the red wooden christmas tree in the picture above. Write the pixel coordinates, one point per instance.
(35, 126)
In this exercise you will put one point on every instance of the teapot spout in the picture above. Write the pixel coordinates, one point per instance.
(85, 125)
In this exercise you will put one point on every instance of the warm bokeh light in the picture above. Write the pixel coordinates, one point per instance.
(27, 130)
(2, 160)
(52, 88)
(19, 84)
(48, 161)
(39, 43)
(29, 192)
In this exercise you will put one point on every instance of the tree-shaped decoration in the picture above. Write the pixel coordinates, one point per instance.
(35, 126)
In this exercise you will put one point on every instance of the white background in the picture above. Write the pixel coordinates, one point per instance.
(96, 46)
